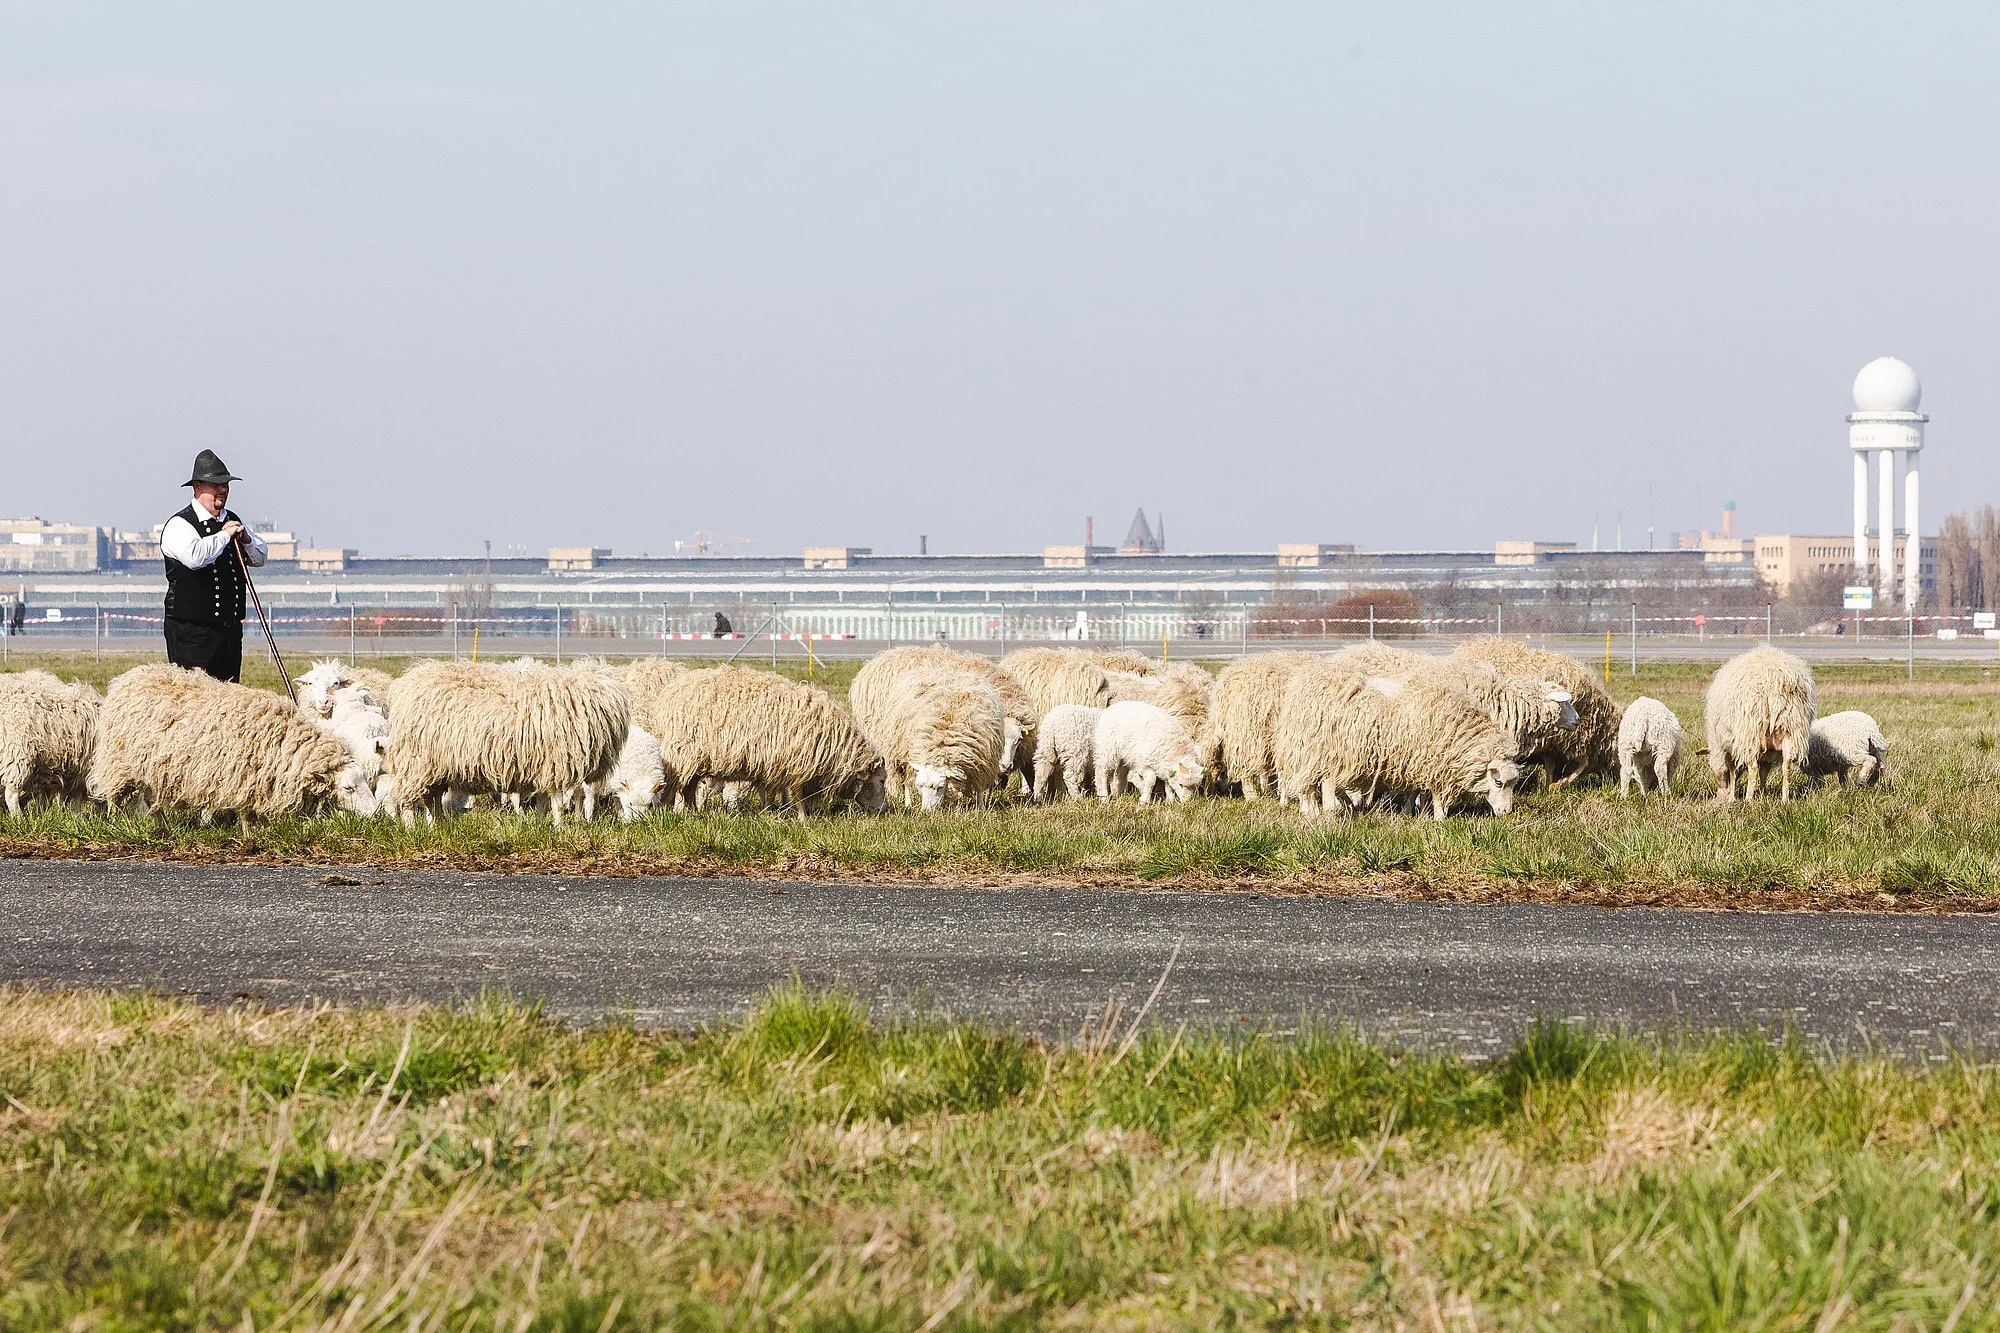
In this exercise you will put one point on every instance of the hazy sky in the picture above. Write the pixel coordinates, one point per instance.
(1404, 274)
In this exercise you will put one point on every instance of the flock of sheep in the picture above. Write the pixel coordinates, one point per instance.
(1372, 727)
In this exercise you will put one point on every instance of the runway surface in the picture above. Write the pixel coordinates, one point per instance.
(679, 952)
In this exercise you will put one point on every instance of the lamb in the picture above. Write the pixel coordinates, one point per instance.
(1847, 744)
(942, 734)
(636, 781)
(1339, 740)
(1591, 745)
(1064, 745)
(1054, 676)
(1649, 746)
(361, 725)
(315, 689)
(481, 729)
(181, 739)
(734, 725)
(1243, 717)
(1760, 707)
(47, 733)
(1147, 746)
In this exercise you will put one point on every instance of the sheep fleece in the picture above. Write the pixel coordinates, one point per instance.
(482, 728)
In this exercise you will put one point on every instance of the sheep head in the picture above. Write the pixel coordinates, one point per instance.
(873, 793)
(1556, 694)
(1501, 775)
(931, 783)
(351, 789)
(1185, 779)
(636, 800)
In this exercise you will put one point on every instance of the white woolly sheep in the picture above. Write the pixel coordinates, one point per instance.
(1590, 746)
(479, 729)
(1243, 715)
(1145, 745)
(1847, 744)
(47, 732)
(1064, 745)
(360, 724)
(1760, 709)
(181, 739)
(1339, 740)
(1649, 746)
(869, 694)
(1532, 712)
(315, 689)
(636, 782)
(942, 733)
(787, 740)
(1054, 676)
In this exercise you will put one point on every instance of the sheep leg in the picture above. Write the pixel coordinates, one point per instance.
(1785, 777)
(1253, 786)
(1662, 780)
(1437, 806)
(13, 799)
(1627, 774)
(1308, 802)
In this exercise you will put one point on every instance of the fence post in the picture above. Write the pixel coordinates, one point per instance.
(663, 631)
(350, 635)
(558, 633)
(97, 635)
(1911, 641)
(1496, 620)
(454, 633)
(1371, 623)
(1635, 640)
(1767, 624)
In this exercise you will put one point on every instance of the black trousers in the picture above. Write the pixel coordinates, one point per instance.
(216, 649)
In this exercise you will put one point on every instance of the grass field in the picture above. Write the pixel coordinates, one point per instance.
(173, 1167)
(1931, 840)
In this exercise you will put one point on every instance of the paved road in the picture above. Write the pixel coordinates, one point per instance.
(679, 952)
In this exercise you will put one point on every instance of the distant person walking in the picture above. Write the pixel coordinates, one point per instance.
(205, 581)
(20, 618)
(722, 626)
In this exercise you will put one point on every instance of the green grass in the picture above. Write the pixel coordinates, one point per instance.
(1932, 838)
(172, 1167)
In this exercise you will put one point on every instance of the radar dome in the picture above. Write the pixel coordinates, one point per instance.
(1887, 385)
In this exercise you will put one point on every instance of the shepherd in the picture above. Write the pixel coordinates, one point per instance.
(206, 547)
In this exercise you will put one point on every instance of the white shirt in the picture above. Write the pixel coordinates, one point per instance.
(179, 541)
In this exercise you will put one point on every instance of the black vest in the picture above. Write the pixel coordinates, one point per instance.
(212, 594)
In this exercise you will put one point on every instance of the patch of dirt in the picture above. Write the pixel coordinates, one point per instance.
(1404, 885)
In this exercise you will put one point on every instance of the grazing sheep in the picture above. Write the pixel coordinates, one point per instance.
(362, 726)
(942, 733)
(1147, 746)
(868, 696)
(182, 739)
(636, 781)
(734, 725)
(1243, 715)
(1065, 745)
(1649, 746)
(376, 682)
(1588, 747)
(47, 732)
(1054, 676)
(1339, 741)
(1533, 712)
(479, 729)
(1760, 708)
(1847, 744)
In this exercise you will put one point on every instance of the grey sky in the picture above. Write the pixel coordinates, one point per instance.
(1405, 274)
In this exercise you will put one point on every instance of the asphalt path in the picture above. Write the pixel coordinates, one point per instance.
(680, 952)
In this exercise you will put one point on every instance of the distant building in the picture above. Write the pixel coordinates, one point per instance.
(30, 545)
(1783, 558)
(1140, 539)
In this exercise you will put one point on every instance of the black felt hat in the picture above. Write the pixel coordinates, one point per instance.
(209, 468)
